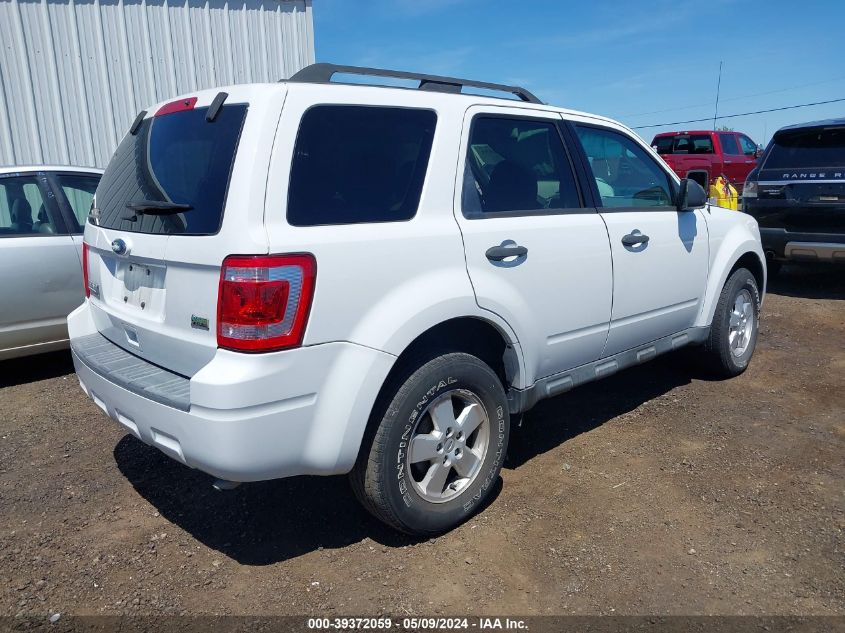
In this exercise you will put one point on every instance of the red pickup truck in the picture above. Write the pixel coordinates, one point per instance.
(704, 155)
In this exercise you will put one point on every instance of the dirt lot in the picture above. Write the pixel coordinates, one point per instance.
(656, 491)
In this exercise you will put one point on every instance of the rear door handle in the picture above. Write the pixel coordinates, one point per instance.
(634, 238)
(499, 253)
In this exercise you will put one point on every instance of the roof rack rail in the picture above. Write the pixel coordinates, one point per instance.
(322, 73)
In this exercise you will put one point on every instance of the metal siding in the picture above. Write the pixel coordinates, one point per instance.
(74, 73)
(96, 78)
(68, 77)
(222, 43)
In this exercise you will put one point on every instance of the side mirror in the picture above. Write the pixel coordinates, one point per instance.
(758, 152)
(690, 196)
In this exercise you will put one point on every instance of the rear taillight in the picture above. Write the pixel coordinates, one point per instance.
(263, 302)
(750, 189)
(85, 269)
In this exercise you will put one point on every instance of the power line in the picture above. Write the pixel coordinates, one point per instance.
(739, 98)
(731, 116)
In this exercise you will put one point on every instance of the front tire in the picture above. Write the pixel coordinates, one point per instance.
(438, 446)
(736, 323)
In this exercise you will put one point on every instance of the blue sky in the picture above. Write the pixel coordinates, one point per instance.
(639, 62)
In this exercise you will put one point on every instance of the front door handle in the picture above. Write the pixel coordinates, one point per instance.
(499, 253)
(635, 238)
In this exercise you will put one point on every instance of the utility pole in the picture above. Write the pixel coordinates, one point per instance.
(718, 86)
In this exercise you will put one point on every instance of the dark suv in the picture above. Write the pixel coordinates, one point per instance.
(797, 194)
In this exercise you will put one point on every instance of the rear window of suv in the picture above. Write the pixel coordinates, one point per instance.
(180, 163)
(805, 149)
(355, 164)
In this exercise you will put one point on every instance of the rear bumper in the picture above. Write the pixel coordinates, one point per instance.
(791, 245)
(247, 417)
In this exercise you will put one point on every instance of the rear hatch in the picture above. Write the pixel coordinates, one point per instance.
(801, 183)
(184, 189)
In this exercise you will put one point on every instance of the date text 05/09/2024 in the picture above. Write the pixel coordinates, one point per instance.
(417, 623)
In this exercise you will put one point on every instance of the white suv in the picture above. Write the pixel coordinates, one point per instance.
(318, 278)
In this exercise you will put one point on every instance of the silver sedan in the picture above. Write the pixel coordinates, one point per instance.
(42, 216)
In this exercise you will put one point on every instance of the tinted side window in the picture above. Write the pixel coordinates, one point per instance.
(24, 209)
(356, 164)
(79, 191)
(516, 165)
(729, 144)
(749, 147)
(626, 175)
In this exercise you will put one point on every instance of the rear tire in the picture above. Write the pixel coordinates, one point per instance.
(438, 446)
(733, 332)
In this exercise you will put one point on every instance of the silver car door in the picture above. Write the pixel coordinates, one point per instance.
(39, 266)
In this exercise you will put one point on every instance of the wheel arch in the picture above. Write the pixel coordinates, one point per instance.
(471, 334)
(745, 254)
(753, 263)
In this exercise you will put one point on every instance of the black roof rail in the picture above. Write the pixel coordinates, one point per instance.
(322, 73)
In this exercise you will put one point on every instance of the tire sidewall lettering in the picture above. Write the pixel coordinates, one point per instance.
(472, 496)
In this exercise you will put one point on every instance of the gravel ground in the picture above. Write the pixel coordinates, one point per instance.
(657, 491)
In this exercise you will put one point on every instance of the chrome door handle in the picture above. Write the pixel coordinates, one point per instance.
(499, 253)
(635, 238)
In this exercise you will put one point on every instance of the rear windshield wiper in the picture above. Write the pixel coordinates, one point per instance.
(156, 207)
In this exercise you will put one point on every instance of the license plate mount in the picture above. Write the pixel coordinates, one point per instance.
(141, 286)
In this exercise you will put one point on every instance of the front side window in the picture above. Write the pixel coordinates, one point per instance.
(516, 165)
(729, 144)
(24, 209)
(749, 147)
(356, 164)
(79, 192)
(626, 175)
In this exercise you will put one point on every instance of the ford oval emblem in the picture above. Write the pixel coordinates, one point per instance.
(119, 246)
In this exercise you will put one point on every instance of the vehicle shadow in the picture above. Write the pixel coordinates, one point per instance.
(809, 281)
(257, 523)
(557, 420)
(267, 522)
(18, 371)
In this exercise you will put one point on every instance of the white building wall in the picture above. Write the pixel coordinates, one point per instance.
(75, 73)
